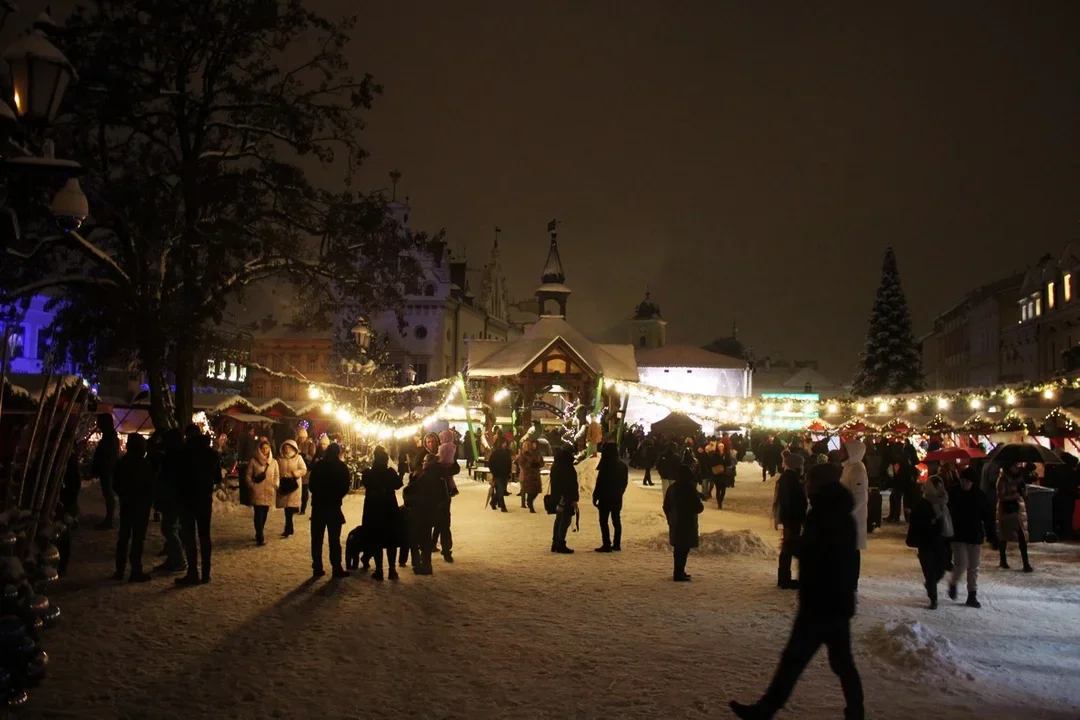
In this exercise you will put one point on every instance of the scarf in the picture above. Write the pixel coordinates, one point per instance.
(934, 492)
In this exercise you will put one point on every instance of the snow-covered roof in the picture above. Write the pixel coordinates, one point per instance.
(809, 376)
(614, 361)
(553, 288)
(686, 356)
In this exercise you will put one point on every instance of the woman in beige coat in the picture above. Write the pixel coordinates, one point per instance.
(293, 470)
(262, 480)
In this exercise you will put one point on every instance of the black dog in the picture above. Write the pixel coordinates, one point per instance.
(355, 544)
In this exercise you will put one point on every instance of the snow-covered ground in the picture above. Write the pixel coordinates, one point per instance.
(511, 630)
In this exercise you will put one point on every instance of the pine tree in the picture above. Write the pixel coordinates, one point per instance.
(890, 362)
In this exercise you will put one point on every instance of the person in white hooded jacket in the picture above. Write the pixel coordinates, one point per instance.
(855, 479)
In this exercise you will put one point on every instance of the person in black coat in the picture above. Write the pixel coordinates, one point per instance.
(427, 497)
(647, 458)
(612, 477)
(790, 511)
(133, 482)
(200, 472)
(829, 572)
(973, 522)
(380, 519)
(564, 490)
(905, 481)
(501, 465)
(928, 527)
(329, 484)
(167, 453)
(103, 465)
(682, 505)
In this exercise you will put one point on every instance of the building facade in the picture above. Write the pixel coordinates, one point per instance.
(965, 348)
(1046, 330)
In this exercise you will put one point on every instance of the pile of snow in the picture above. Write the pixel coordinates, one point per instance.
(722, 542)
(916, 647)
(226, 501)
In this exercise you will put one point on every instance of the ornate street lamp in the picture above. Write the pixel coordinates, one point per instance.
(40, 74)
(362, 332)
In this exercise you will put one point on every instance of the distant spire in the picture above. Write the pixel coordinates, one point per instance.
(497, 231)
(394, 177)
(553, 269)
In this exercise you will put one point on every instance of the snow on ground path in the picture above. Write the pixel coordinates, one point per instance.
(511, 630)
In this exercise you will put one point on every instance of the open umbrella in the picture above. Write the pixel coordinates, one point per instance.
(1012, 453)
(955, 454)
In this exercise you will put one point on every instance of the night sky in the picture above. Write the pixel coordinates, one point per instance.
(747, 160)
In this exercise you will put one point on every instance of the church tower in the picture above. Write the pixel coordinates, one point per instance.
(647, 328)
(553, 288)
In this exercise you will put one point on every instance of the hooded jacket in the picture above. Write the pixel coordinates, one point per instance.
(612, 477)
(264, 492)
(828, 565)
(291, 467)
(854, 478)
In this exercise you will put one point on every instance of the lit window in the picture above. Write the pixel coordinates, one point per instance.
(1050, 296)
(1038, 306)
(1066, 286)
(211, 368)
(1031, 310)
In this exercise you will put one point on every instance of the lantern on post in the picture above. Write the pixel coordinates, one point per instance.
(40, 75)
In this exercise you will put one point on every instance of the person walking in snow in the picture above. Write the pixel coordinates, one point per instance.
(450, 467)
(329, 484)
(134, 485)
(790, 511)
(928, 528)
(564, 491)
(1012, 523)
(292, 471)
(103, 465)
(855, 479)
(307, 452)
(200, 473)
(828, 569)
(972, 524)
(263, 479)
(501, 466)
(612, 477)
(380, 519)
(682, 505)
(530, 462)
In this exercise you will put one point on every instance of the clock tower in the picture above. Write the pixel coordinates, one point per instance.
(647, 329)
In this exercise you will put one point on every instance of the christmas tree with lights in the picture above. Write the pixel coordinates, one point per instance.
(890, 362)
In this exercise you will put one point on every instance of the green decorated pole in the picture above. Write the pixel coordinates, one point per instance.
(468, 417)
(597, 404)
(622, 419)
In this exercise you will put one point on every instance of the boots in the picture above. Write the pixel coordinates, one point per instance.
(973, 601)
(952, 591)
(931, 591)
(749, 712)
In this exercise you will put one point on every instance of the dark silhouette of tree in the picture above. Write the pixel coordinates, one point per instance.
(201, 125)
(890, 362)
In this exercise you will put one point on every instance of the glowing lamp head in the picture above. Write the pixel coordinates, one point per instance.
(1048, 393)
(942, 404)
(883, 407)
(1010, 399)
(976, 403)
(860, 408)
(833, 408)
(314, 392)
(327, 408)
(502, 394)
(912, 406)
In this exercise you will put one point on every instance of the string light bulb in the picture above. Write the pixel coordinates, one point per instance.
(883, 407)
(942, 403)
(833, 408)
(314, 392)
(1048, 393)
(912, 406)
(976, 403)
(502, 394)
(327, 408)
(1010, 399)
(860, 408)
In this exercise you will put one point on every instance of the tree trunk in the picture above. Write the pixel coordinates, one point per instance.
(160, 400)
(185, 381)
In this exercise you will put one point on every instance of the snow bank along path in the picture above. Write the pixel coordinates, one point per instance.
(512, 631)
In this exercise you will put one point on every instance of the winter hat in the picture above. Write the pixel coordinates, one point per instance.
(447, 451)
(446, 436)
(793, 461)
